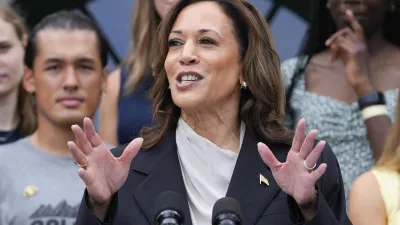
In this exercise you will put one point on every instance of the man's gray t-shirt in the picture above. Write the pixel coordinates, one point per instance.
(57, 187)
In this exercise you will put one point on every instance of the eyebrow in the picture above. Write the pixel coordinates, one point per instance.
(85, 60)
(79, 60)
(53, 60)
(201, 31)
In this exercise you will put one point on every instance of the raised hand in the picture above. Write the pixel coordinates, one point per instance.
(349, 46)
(297, 176)
(102, 173)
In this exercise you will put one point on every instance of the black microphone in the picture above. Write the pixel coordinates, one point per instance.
(168, 208)
(226, 211)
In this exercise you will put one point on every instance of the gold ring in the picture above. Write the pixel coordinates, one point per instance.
(82, 166)
(309, 168)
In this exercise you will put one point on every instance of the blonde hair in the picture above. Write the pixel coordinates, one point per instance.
(28, 118)
(390, 159)
(144, 33)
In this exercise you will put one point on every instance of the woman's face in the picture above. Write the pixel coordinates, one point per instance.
(163, 6)
(203, 63)
(11, 58)
(369, 13)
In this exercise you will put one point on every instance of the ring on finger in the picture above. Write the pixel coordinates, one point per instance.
(82, 166)
(309, 168)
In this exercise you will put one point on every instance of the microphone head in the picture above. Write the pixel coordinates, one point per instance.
(226, 205)
(168, 200)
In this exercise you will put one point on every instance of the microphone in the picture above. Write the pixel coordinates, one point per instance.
(226, 211)
(168, 207)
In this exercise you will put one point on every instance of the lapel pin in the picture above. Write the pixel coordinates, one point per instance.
(263, 180)
(30, 191)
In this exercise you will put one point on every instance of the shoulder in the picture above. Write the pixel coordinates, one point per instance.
(151, 157)
(13, 148)
(365, 197)
(288, 68)
(13, 157)
(114, 79)
(331, 181)
(365, 183)
(111, 94)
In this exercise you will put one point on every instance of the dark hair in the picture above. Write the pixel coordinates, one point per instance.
(261, 105)
(68, 20)
(322, 27)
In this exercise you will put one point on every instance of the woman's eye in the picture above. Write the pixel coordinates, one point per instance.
(174, 43)
(207, 41)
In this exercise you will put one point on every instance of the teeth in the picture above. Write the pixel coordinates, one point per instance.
(189, 78)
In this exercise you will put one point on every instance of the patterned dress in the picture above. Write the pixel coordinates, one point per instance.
(338, 123)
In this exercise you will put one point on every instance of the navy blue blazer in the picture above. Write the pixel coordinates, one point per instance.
(157, 170)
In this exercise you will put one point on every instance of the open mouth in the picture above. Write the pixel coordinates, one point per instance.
(188, 78)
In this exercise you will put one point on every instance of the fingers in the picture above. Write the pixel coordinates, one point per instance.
(299, 135)
(308, 144)
(316, 174)
(343, 45)
(313, 157)
(83, 174)
(130, 152)
(335, 52)
(79, 157)
(268, 157)
(81, 140)
(91, 133)
(345, 32)
(341, 40)
(355, 25)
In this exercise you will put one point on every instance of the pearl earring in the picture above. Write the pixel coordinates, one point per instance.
(244, 85)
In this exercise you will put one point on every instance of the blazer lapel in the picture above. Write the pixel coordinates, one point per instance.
(245, 182)
(162, 166)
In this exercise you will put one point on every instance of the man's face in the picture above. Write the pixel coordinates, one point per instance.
(67, 76)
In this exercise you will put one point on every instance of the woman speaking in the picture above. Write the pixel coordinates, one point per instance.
(219, 105)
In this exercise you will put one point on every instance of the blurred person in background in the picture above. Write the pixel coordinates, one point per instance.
(375, 195)
(14, 120)
(67, 71)
(346, 79)
(125, 106)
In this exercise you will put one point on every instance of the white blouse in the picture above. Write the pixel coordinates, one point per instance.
(206, 170)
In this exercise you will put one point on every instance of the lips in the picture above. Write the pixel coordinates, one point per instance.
(189, 76)
(187, 79)
(70, 102)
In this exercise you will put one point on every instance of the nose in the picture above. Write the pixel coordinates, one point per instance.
(188, 54)
(70, 81)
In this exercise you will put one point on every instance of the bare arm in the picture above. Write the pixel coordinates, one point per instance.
(378, 129)
(109, 109)
(366, 204)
